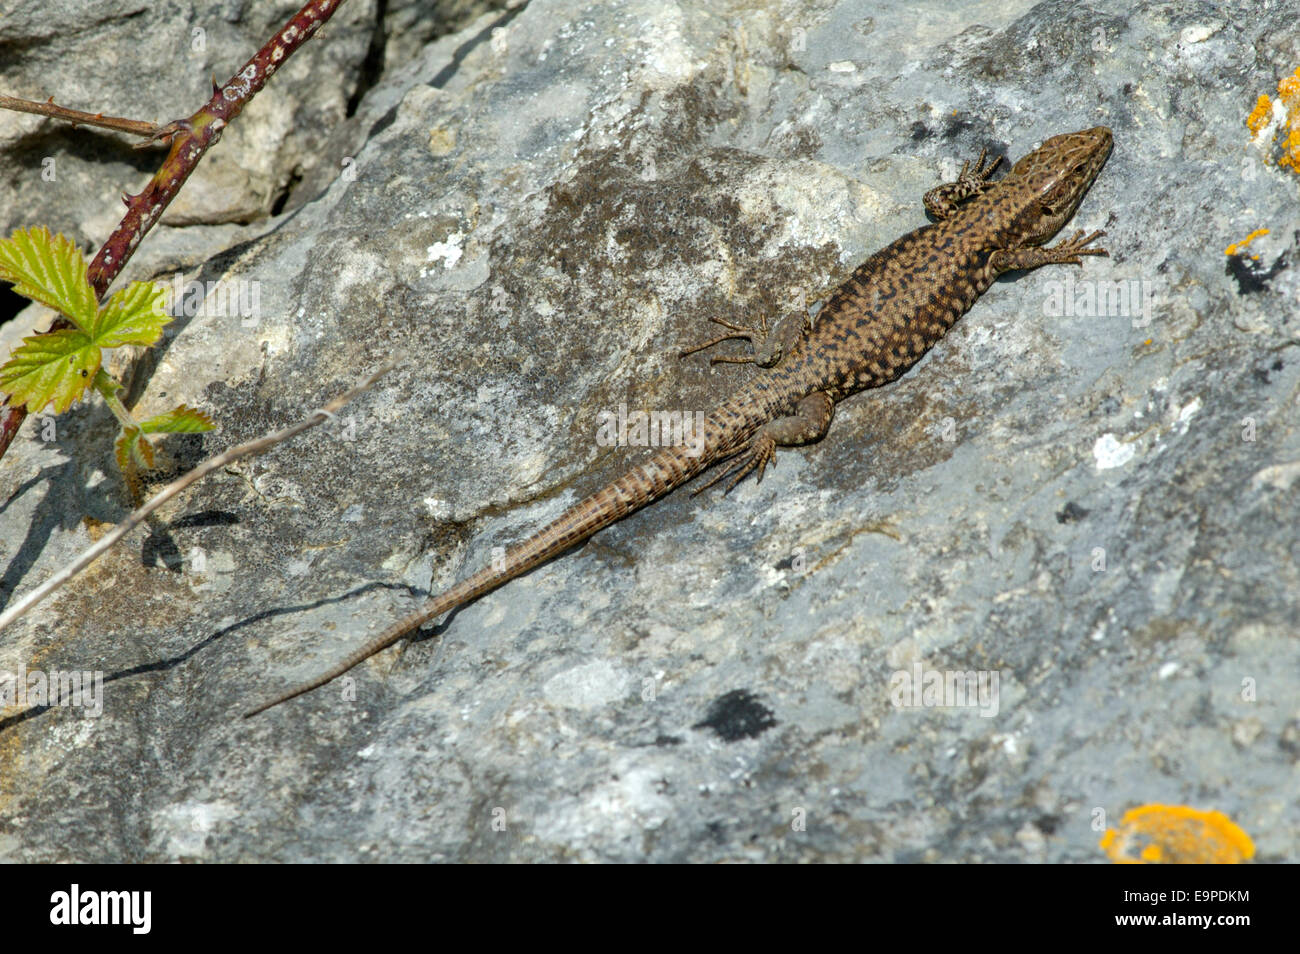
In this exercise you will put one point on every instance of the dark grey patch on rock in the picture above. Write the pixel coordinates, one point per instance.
(1250, 275)
(737, 715)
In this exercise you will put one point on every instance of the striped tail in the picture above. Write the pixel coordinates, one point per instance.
(725, 430)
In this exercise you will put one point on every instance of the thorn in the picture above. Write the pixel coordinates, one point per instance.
(215, 88)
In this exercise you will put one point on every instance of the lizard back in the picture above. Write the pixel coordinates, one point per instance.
(892, 309)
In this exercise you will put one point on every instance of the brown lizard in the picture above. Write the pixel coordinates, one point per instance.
(893, 308)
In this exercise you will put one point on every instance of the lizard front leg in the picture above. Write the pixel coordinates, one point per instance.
(809, 423)
(942, 201)
(1032, 256)
(767, 348)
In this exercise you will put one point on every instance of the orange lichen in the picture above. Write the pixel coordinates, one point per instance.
(1176, 834)
(1260, 115)
(1288, 94)
(1236, 247)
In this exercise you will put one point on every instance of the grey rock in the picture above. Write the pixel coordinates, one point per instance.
(1097, 507)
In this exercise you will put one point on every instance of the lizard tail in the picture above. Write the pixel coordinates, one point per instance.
(724, 430)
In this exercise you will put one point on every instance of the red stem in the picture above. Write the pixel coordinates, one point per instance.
(191, 139)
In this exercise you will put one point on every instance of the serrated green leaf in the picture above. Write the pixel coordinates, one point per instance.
(59, 366)
(132, 450)
(122, 447)
(49, 269)
(54, 368)
(182, 419)
(134, 315)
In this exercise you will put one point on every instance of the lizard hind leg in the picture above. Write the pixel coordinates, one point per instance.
(809, 423)
(767, 347)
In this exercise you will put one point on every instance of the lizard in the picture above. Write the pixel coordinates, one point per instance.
(875, 326)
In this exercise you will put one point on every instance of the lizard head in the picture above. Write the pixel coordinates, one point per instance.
(1059, 174)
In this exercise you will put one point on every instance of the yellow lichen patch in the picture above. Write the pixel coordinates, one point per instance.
(1236, 247)
(1288, 98)
(1176, 835)
(1260, 115)
(97, 528)
(1288, 90)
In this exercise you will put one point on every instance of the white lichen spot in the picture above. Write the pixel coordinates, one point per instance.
(1186, 414)
(449, 251)
(1109, 452)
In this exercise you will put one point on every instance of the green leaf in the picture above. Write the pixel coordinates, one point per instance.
(180, 420)
(51, 368)
(132, 451)
(49, 269)
(134, 315)
(59, 366)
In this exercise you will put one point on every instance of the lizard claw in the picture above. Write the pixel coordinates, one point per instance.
(979, 171)
(752, 335)
(758, 454)
(942, 201)
(1068, 251)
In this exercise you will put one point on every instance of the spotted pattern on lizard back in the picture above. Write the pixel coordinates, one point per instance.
(893, 308)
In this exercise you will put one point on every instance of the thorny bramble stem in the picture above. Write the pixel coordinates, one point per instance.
(190, 139)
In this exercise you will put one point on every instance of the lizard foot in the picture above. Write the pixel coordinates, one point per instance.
(757, 454)
(1068, 251)
(1063, 253)
(942, 201)
(759, 341)
(768, 347)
